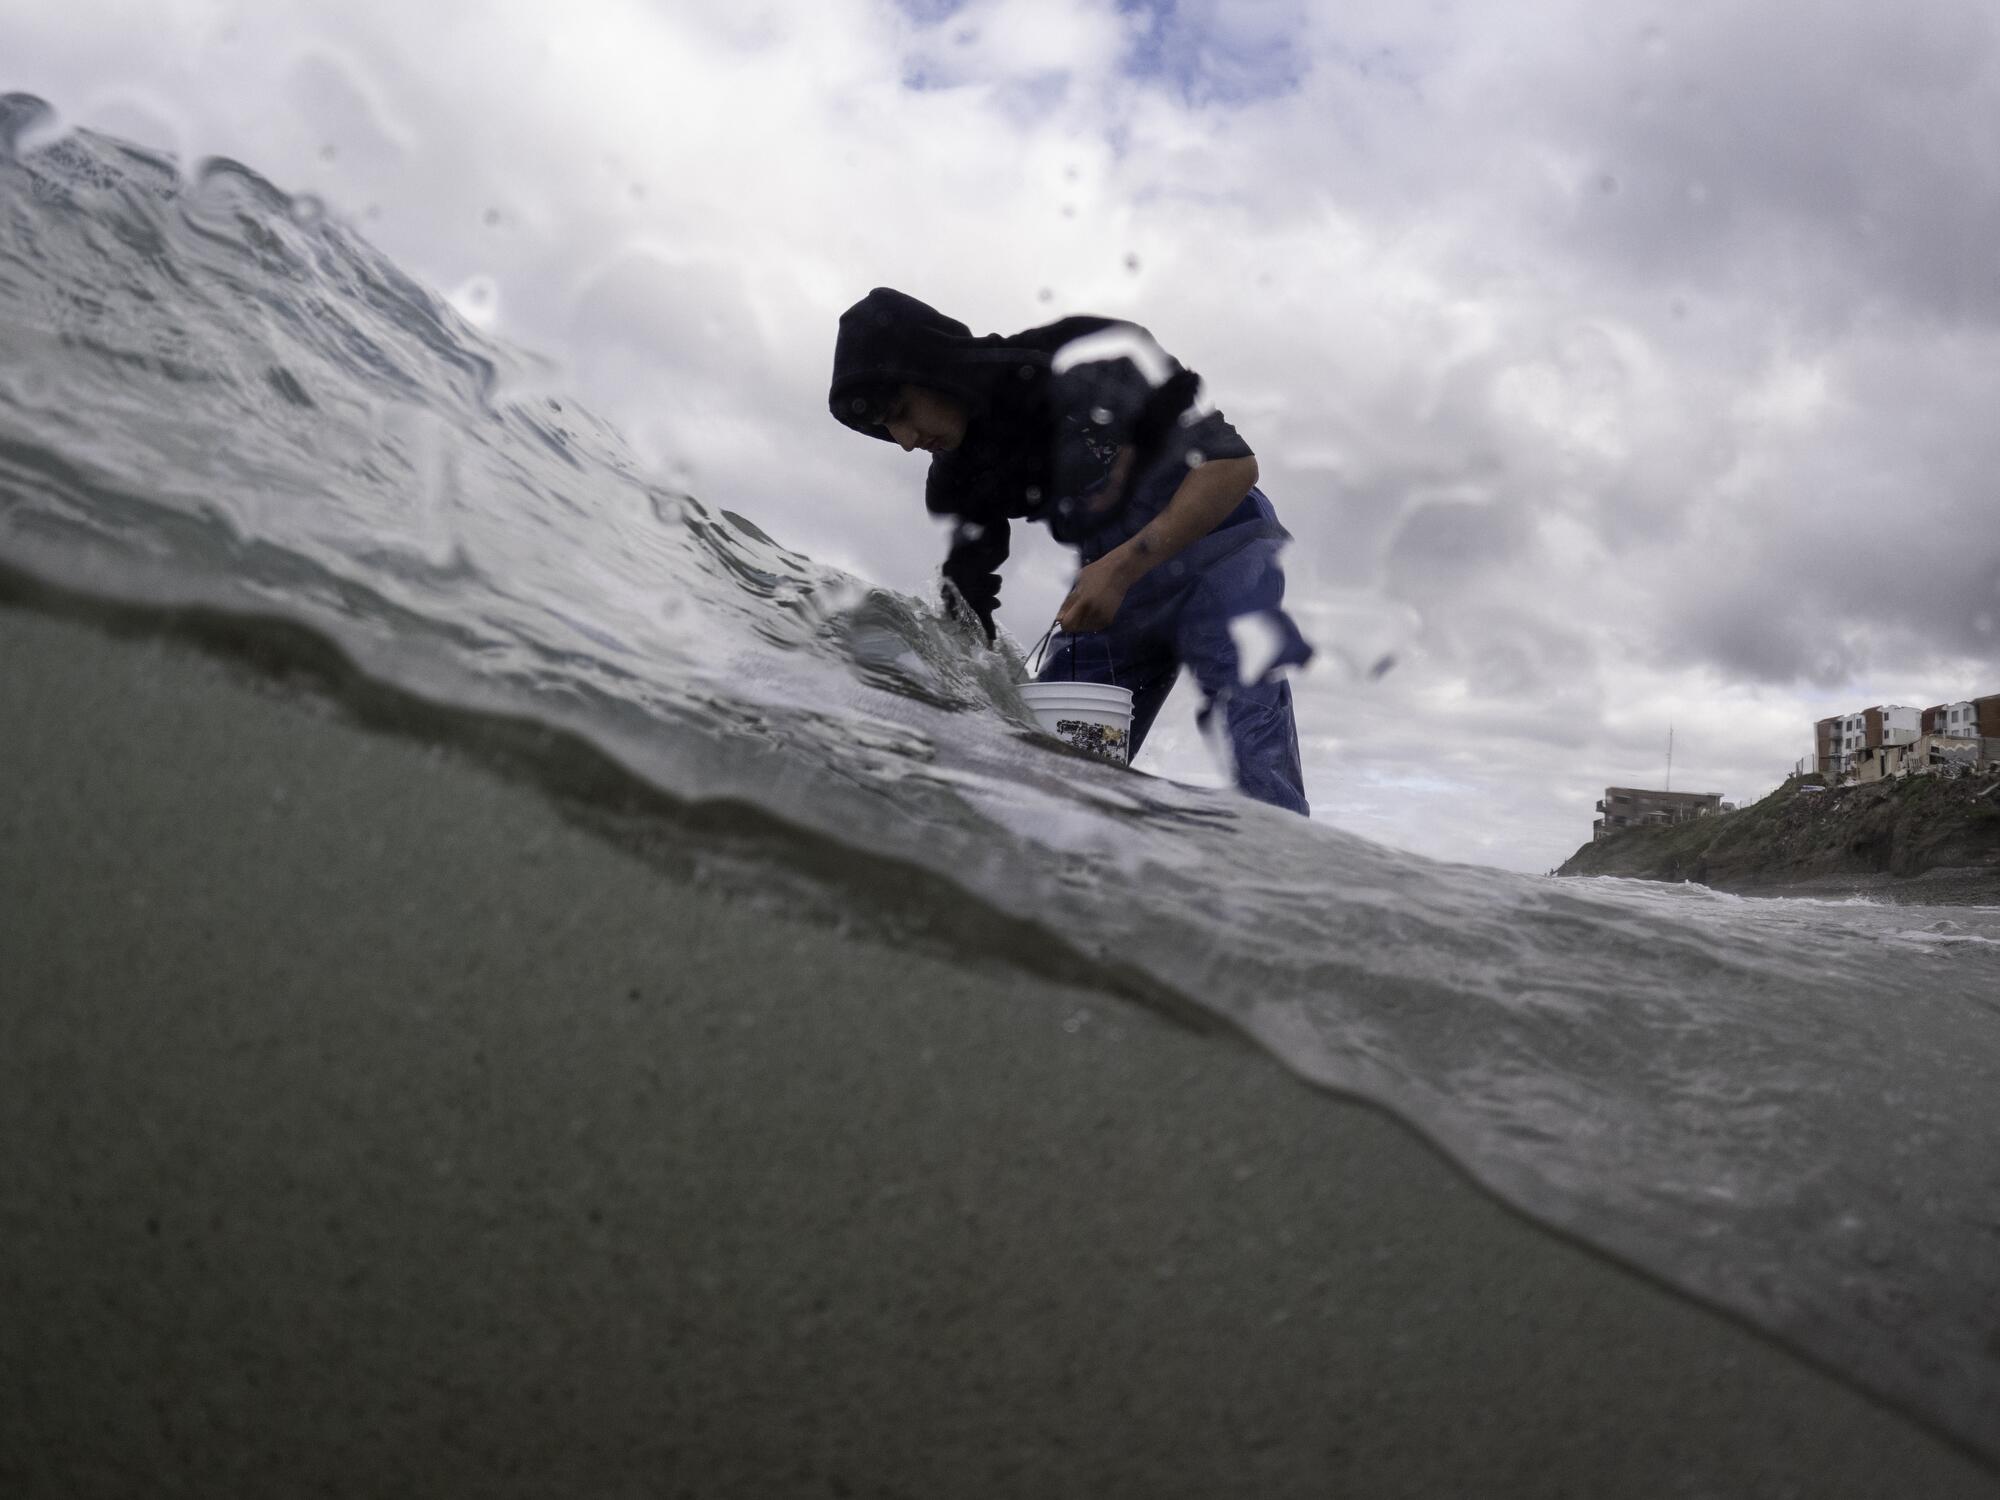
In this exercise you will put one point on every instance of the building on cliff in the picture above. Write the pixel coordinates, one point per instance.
(1839, 742)
(1974, 716)
(1871, 743)
(1956, 754)
(1629, 807)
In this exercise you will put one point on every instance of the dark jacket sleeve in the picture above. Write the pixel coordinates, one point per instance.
(971, 567)
(1100, 405)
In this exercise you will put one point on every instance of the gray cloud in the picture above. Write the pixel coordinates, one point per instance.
(1846, 154)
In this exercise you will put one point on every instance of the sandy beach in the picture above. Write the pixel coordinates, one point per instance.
(368, 1127)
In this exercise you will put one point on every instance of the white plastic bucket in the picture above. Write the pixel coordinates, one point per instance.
(1095, 717)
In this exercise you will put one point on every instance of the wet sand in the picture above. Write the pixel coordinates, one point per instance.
(367, 1127)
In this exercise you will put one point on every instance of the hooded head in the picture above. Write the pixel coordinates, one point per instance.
(1002, 465)
(889, 339)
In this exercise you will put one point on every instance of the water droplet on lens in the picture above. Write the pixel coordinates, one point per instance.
(1196, 458)
(307, 211)
(1101, 415)
(477, 300)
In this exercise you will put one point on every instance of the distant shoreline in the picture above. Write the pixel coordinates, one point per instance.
(1921, 840)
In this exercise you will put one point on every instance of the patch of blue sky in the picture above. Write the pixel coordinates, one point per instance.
(1027, 96)
(921, 73)
(930, 12)
(1177, 44)
(932, 65)
(1204, 51)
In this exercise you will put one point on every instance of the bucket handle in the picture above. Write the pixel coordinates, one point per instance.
(1041, 647)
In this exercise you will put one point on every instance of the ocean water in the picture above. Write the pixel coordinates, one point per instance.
(216, 395)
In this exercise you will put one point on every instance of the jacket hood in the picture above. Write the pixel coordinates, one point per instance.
(889, 339)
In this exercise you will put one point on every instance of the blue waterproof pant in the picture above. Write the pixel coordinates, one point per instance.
(1180, 615)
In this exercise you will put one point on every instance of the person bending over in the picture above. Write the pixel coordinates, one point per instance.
(1087, 426)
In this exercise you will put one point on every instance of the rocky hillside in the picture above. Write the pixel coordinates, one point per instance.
(1876, 835)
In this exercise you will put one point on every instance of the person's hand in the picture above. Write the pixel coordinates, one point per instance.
(1093, 600)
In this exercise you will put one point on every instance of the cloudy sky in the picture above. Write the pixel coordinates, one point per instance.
(1618, 366)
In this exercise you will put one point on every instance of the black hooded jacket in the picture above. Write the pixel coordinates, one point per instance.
(1037, 444)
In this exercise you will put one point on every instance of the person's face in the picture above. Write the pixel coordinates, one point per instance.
(922, 418)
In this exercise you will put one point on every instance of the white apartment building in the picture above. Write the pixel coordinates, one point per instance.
(1838, 742)
(1956, 718)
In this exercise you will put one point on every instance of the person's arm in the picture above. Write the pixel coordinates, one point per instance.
(1208, 494)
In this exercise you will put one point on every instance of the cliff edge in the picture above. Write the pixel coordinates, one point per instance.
(1931, 837)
